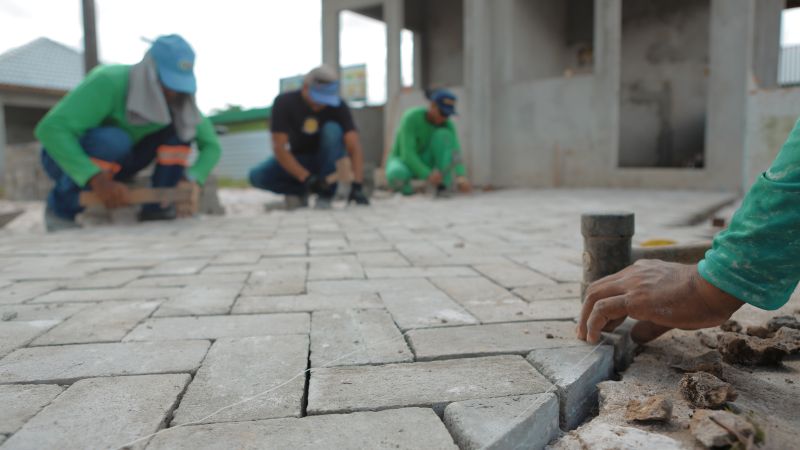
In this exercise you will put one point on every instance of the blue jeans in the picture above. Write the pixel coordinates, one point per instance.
(113, 145)
(271, 176)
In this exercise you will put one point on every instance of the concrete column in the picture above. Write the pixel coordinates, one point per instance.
(394, 16)
(607, 77)
(418, 43)
(2, 140)
(330, 34)
(767, 44)
(478, 87)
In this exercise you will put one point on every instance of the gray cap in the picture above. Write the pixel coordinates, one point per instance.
(322, 75)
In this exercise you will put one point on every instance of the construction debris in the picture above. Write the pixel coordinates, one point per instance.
(710, 362)
(657, 408)
(776, 323)
(754, 351)
(732, 326)
(723, 429)
(759, 332)
(704, 390)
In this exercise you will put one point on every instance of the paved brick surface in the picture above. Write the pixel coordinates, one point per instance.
(22, 401)
(420, 302)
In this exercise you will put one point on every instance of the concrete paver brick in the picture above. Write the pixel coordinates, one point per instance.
(419, 272)
(200, 301)
(105, 322)
(512, 275)
(422, 308)
(105, 279)
(305, 303)
(22, 401)
(287, 279)
(549, 292)
(216, 327)
(16, 334)
(337, 268)
(41, 311)
(101, 295)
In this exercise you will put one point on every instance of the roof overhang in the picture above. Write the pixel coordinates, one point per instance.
(16, 89)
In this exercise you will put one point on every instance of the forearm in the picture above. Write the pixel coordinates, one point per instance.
(356, 153)
(291, 165)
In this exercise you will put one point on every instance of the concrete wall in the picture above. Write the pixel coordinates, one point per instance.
(665, 57)
(771, 115)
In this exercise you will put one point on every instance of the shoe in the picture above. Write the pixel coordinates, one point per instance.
(296, 201)
(54, 223)
(151, 215)
(323, 203)
(442, 192)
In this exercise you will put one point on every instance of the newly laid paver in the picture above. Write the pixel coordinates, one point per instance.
(515, 310)
(42, 311)
(193, 281)
(239, 369)
(285, 279)
(432, 384)
(549, 291)
(513, 275)
(179, 267)
(575, 372)
(425, 307)
(216, 327)
(418, 272)
(382, 259)
(102, 413)
(305, 303)
(554, 268)
(472, 290)
(101, 295)
(105, 279)
(356, 337)
(335, 268)
(22, 401)
(524, 421)
(482, 340)
(65, 364)
(16, 334)
(404, 429)
(200, 301)
(23, 291)
(105, 322)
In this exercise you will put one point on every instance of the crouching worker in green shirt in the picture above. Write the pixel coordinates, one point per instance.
(119, 120)
(427, 148)
(756, 260)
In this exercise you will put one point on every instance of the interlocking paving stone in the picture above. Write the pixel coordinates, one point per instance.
(288, 279)
(480, 340)
(64, 364)
(102, 413)
(418, 272)
(404, 429)
(22, 401)
(302, 303)
(424, 306)
(549, 292)
(554, 268)
(105, 322)
(195, 281)
(24, 291)
(16, 334)
(178, 267)
(42, 311)
(238, 369)
(99, 295)
(382, 259)
(237, 257)
(336, 268)
(512, 275)
(105, 279)
(355, 337)
(575, 372)
(525, 421)
(434, 384)
(515, 310)
(216, 327)
(200, 301)
(472, 290)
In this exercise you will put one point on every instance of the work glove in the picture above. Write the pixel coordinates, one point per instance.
(357, 195)
(112, 193)
(316, 185)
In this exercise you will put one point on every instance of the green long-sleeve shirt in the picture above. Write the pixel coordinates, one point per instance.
(100, 100)
(413, 136)
(757, 259)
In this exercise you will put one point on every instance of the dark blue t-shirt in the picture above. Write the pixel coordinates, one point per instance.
(292, 115)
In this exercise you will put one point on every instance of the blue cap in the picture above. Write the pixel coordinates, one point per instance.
(446, 101)
(325, 93)
(174, 60)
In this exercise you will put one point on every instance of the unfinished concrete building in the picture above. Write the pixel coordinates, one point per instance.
(618, 93)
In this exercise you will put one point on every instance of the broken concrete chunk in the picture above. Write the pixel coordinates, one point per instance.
(752, 351)
(710, 362)
(759, 332)
(656, 408)
(706, 339)
(732, 326)
(704, 390)
(776, 323)
(721, 428)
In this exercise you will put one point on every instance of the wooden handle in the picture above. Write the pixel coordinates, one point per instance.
(143, 195)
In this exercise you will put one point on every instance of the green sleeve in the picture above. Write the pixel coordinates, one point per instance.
(757, 259)
(407, 148)
(61, 129)
(209, 152)
(461, 171)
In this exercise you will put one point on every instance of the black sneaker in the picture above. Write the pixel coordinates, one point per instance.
(442, 192)
(152, 214)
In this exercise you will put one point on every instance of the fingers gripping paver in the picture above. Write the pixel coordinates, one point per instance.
(274, 329)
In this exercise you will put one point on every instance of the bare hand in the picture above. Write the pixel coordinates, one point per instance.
(435, 178)
(112, 193)
(190, 208)
(661, 295)
(463, 185)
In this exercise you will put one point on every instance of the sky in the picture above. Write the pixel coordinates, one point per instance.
(243, 47)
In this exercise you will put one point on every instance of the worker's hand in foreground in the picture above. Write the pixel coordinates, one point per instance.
(190, 208)
(435, 178)
(112, 193)
(463, 185)
(316, 185)
(357, 195)
(661, 295)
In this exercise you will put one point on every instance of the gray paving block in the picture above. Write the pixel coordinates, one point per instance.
(65, 364)
(104, 322)
(43, 311)
(403, 429)
(575, 372)
(305, 303)
(102, 295)
(382, 259)
(423, 308)
(102, 413)
(23, 291)
(355, 337)
(192, 281)
(549, 292)
(473, 291)
(15, 334)
(22, 401)
(493, 339)
(216, 327)
(554, 268)
(200, 301)
(238, 369)
(336, 268)
(513, 275)
(286, 279)
(433, 384)
(525, 421)
(516, 310)
(179, 267)
(105, 279)
(419, 272)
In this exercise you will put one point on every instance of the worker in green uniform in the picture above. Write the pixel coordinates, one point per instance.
(756, 260)
(427, 148)
(116, 122)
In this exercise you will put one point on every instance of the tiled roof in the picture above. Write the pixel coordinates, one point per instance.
(42, 64)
